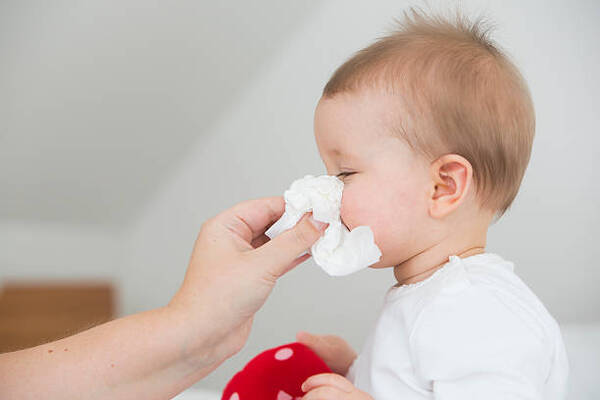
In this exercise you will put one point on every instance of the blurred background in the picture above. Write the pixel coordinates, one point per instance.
(126, 124)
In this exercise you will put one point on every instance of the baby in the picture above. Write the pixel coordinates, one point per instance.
(430, 128)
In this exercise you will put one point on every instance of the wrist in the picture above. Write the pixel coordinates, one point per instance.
(206, 337)
(195, 341)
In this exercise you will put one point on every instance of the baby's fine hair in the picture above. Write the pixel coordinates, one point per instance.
(457, 93)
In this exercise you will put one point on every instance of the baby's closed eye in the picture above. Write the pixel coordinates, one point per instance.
(342, 174)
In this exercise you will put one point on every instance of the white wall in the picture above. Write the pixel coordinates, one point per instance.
(266, 141)
(98, 99)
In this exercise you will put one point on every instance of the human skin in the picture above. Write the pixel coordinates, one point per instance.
(158, 353)
(420, 211)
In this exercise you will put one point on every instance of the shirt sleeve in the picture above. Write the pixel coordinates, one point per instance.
(475, 344)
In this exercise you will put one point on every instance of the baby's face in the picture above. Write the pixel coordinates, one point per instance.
(386, 185)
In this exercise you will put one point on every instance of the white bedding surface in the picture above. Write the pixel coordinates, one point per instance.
(198, 394)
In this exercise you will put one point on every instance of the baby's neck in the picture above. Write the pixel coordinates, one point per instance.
(425, 263)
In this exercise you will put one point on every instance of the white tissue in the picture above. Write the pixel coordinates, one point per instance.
(339, 251)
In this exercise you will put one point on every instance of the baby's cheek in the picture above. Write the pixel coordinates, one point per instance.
(355, 209)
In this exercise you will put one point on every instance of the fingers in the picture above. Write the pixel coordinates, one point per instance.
(259, 241)
(250, 218)
(325, 393)
(331, 387)
(281, 253)
(316, 344)
(309, 340)
(305, 337)
(297, 261)
(322, 381)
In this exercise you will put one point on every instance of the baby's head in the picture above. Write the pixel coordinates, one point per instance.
(431, 129)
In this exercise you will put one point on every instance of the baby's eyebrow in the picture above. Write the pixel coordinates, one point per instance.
(339, 154)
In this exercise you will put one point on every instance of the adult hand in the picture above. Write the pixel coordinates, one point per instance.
(234, 267)
(158, 353)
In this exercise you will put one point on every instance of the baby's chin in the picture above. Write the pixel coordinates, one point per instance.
(388, 260)
(382, 263)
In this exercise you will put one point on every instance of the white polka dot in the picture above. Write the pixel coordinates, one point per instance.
(284, 354)
(235, 396)
(283, 395)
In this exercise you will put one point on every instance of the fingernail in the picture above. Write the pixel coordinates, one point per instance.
(303, 387)
(318, 224)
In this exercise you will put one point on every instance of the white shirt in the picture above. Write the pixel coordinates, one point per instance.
(472, 330)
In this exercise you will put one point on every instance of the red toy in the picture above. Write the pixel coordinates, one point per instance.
(275, 374)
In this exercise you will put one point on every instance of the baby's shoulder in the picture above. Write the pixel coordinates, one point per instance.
(474, 310)
(479, 329)
(482, 308)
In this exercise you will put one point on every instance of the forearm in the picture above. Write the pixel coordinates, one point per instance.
(147, 355)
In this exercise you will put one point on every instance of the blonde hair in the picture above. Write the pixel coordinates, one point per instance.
(459, 93)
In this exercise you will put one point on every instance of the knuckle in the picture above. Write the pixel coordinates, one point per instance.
(302, 235)
(270, 278)
(321, 380)
(324, 392)
(206, 229)
(331, 379)
(208, 224)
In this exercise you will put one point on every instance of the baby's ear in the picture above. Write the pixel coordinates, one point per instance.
(451, 177)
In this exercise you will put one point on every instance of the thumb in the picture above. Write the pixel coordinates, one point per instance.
(307, 338)
(279, 253)
(314, 342)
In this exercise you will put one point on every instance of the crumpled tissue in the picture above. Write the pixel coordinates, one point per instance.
(339, 251)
